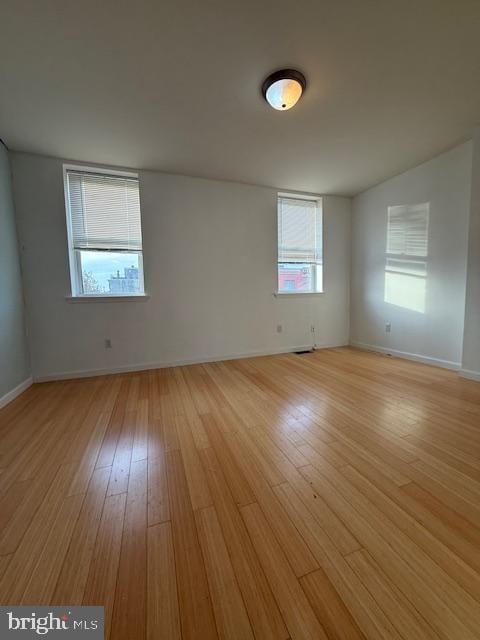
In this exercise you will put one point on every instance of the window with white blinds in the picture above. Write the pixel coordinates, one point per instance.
(407, 255)
(300, 245)
(104, 232)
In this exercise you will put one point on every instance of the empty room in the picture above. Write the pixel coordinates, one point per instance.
(240, 320)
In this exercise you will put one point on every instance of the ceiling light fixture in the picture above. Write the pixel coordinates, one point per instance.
(283, 89)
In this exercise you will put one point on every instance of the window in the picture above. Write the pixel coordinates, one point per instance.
(406, 256)
(104, 233)
(300, 245)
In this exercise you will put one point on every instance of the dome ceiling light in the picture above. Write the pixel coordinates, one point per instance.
(283, 89)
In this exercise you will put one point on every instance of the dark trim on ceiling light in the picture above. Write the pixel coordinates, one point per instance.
(283, 74)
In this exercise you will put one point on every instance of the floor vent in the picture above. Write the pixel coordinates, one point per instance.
(302, 353)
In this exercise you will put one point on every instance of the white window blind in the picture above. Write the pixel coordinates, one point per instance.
(104, 233)
(407, 233)
(300, 245)
(104, 211)
(299, 236)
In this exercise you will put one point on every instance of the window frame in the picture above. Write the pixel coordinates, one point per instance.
(74, 259)
(319, 202)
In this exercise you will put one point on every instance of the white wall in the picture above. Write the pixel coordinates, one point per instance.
(438, 332)
(471, 341)
(209, 257)
(14, 359)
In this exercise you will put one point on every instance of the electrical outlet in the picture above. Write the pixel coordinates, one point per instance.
(279, 328)
(312, 329)
(108, 343)
(388, 327)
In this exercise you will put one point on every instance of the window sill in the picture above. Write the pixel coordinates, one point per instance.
(142, 297)
(297, 294)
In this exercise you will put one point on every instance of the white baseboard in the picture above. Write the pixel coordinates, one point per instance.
(471, 375)
(437, 362)
(145, 366)
(11, 395)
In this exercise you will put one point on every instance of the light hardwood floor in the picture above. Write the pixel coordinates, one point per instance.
(329, 495)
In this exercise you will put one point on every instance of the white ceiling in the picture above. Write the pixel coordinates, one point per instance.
(174, 85)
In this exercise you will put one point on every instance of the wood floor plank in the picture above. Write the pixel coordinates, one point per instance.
(129, 613)
(459, 570)
(29, 551)
(87, 463)
(140, 440)
(447, 516)
(465, 487)
(11, 500)
(262, 609)
(444, 524)
(123, 453)
(230, 614)
(361, 458)
(292, 543)
(197, 483)
(448, 609)
(20, 443)
(196, 611)
(356, 598)
(450, 455)
(167, 412)
(234, 476)
(336, 529)
(4, 561)
(41, 585)
(298, 614)
(158, 501)
(163, 619)
(73, 577)
(401, 612)
(102, 577)
(329, 607)
(109, 444)
(265, 464)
